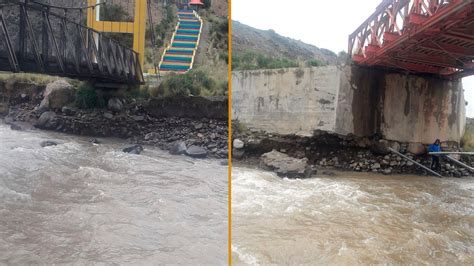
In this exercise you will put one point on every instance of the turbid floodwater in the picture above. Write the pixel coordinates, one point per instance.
(80, 203)
(351, 219)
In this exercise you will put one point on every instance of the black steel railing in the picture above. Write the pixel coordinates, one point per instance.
(53, 40)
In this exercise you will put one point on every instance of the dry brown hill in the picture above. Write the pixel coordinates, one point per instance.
(270, 43)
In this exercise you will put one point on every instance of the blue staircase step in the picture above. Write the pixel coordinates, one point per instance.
(194, 32)
(177, 58)
(185, 38)
(184, 22)
(186, 45)
(188, 27)
(174, 67)
(190, 52)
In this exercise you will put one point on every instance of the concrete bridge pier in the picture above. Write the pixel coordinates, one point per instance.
(345, 100)
(401, 107)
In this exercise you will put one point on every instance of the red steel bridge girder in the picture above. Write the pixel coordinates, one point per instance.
(422, 36)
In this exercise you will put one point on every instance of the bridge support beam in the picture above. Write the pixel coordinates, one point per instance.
(137, 27)
(402, 107)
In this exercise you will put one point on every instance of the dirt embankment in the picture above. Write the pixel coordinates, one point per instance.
(157, 122)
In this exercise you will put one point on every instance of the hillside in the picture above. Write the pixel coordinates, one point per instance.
(270, 43)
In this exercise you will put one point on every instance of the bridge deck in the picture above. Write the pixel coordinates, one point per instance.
(419, 36)
(36, 39)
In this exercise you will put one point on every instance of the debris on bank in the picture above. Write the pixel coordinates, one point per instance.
(350, 153)
(141, 122)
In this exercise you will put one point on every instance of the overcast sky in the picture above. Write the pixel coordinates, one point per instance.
(323, 23)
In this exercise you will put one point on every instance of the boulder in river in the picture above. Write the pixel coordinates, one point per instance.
(57, 94)
(48, 143)
(196, 152)
(286, 166)
(45, 121)
(135, 149)
(178, 148)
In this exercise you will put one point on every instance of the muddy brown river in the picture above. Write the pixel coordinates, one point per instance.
(352, 219)
(79, 203)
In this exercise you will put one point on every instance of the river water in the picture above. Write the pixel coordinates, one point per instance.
(352, 219)
(82, 203)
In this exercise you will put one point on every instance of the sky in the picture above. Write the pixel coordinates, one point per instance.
(323, 23)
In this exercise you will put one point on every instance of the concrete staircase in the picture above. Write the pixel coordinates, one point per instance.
(179, 55)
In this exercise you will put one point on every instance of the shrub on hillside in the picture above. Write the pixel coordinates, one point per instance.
(252, 61)
(314, 63)
(191, 83)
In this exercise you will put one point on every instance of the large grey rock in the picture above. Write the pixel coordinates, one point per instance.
(178, 148)
(238, 144)
(57, 95)
(46, 120)
(135, 149)
(382, 147)
(416, 148)
(286, 166)
(196, 152)
(115, 105)
(68, 111)
(48, 143)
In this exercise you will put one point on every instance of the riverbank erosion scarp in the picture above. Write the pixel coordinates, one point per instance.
(196, 121)
(324, 150)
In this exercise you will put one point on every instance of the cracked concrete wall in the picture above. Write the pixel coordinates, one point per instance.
(350, 100)
(422, 109)
(287, 101)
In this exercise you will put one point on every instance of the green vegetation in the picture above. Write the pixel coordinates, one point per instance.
(467, 141)
(207, 3)
(88, 97)
(194, 82)
(27, 78)
(163, 32)
(238, 127)
(220, 33)
(252, 60)
(314, 63)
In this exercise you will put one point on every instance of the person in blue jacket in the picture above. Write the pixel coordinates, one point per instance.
(435, 147)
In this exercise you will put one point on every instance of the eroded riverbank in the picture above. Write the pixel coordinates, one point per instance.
(351, 218)
(82, 203)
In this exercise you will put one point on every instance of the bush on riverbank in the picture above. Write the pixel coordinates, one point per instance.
(88, 97)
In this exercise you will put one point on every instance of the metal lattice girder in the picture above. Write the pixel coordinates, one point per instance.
(428, 36)
(40, 38)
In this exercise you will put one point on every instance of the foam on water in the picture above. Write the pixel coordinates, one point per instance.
(82, 203)
(352, 218)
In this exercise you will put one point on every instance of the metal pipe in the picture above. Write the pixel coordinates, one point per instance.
(451, 152)
(460, 163)
(415, 162)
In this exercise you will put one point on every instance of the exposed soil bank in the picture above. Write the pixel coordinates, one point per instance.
(149, 122)
(349, 153)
